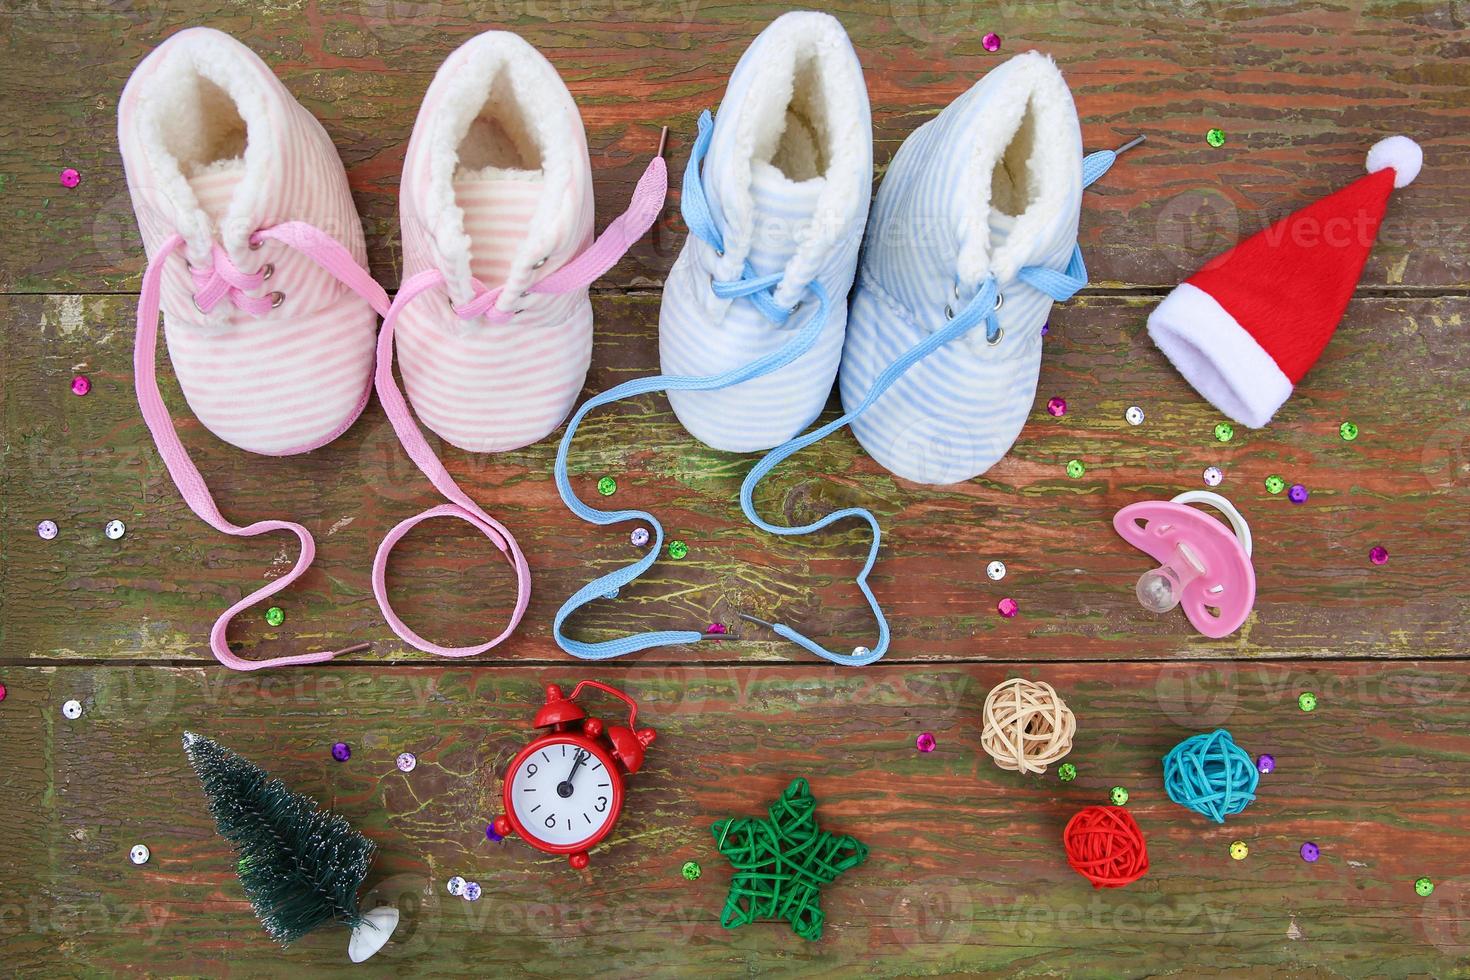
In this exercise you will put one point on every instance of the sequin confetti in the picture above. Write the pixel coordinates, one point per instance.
(1134, 415)
(716, 629)
(81, 384)
(47, 530)
(1348, 431)
(1310, 851)
(115, 529)
(1298, 494)
(275, 615)
(69, 177)
(1067, 772)
(925, 742)
(1213, 476)
(1215, 137)
(639, 537)
(1075, 469)
(1056, 407)
(407, 762)
(995, 571)
(991, 42)
(678, 549)
(1224, 432)
(1008, 607)
(1274, 484)
(1378, 555)
(690, 871)
(341, 751)
(607, 486)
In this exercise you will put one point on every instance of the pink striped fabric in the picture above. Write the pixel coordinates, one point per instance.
(483, 386)
(256, 259)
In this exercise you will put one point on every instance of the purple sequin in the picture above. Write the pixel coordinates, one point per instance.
(1310, 852)
(1266, 764)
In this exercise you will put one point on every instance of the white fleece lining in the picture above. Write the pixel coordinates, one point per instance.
(1034, 105)
(502, 72)
(802, 112)
(173, 97)
(1218, 356)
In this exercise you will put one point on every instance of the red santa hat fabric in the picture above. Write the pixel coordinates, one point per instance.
(1245, 329)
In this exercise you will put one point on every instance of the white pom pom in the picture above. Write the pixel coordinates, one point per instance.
(1399, 152)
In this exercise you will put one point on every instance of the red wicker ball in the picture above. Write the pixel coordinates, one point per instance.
(1105, 846)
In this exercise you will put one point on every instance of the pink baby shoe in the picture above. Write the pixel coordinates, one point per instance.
(496, 209)
(256, 258)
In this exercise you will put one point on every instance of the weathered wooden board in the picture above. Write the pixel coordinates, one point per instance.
(1398, 369)
(966, 873)
(1301, 90)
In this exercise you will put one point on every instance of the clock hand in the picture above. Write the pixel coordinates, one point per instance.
(564, 788)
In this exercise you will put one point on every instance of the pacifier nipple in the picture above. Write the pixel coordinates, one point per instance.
(1160, 589)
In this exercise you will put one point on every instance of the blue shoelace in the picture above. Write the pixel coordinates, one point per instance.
(760, 290)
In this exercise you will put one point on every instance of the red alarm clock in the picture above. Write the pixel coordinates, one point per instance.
(564, 791)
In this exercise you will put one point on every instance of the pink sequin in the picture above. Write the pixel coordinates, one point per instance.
(1008, 607)
(81, 384)
(70, 177)
(925, 742)
(1057, 407)
(991, 41)
(718, 629)
(1378, 555)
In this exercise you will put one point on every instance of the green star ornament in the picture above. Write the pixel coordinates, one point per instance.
(782, 863)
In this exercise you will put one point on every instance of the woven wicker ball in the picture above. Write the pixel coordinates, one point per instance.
(1105, 846)
(1027, 726)
(1210, 774)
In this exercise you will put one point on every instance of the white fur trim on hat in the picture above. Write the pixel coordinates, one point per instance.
(1218, 356)
(1399, 152)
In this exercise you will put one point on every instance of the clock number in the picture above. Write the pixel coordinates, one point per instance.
(531, 769)
(601, 804)
(551, 820)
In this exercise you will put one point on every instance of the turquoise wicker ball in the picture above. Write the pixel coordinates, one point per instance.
(1210, 774)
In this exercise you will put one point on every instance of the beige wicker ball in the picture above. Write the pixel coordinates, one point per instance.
(1027, 726)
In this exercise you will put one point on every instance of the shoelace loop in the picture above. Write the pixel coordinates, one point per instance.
(224, 282)
(576, 274)
(982, 307)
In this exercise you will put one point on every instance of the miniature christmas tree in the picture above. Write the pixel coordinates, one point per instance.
(301, 865)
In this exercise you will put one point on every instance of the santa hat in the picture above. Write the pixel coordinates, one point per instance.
(1246, 328)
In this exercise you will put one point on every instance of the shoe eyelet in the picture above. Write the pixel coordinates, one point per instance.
(999, 336)
(1000, 299)
(255, 241)
(542, 262)
(277, 298)
(266, 271)
(195, 300)
(793, 311)
(948, 312)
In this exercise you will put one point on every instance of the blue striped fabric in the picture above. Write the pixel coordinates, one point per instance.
(700, 334)
(957, 412)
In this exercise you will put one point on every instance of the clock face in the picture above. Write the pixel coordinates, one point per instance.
(564, 793)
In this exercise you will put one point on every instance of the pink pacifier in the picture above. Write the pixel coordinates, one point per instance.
(1203, 566)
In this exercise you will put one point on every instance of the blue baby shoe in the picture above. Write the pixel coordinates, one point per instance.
(786, 179)
(982, 199)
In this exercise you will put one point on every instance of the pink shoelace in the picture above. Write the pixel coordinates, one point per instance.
(224, 282)
(578, 273)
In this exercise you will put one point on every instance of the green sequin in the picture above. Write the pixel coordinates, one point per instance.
(690, 870)
(1075, 469)
(275, 615)
(1224, 432)
(1274, 484)
(1067, 772)
(678, 549)
(1424, 887)
(1348, 431)
(1307, 701)
(1118, 795)
(607, 486)
(1215, 137)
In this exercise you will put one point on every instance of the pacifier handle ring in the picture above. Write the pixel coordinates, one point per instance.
(1232, 513)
